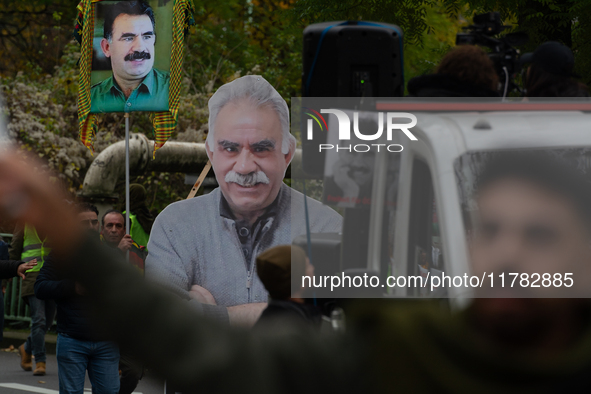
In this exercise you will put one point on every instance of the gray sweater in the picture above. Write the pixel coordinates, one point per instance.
(192, 244)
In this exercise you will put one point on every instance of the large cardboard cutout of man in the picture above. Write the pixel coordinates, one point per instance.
(128, 41)
(206, 246)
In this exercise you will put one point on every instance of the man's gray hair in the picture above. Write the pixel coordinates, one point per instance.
(258, 92)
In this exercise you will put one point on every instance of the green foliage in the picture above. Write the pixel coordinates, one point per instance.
(567, 21)
(33, 34)
(409, 15)
(232, 38)
(436, 41)
(42, 117)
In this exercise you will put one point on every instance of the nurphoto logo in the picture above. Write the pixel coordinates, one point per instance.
(345, 129)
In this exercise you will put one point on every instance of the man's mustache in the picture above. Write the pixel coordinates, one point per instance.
(247, 180)
(137, 56)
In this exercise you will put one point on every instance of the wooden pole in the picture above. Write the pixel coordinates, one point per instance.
(199, 180)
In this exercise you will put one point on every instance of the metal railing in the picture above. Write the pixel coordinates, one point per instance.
(15, 308)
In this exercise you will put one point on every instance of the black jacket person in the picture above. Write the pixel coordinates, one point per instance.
(466, 71)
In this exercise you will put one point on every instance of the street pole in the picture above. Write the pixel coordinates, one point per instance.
(127, 177)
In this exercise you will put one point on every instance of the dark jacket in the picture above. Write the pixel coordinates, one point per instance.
(8, 268)
(73, 317)
(4, 255)
(443, 85)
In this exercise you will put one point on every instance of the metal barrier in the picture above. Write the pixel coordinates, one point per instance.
(15, 308)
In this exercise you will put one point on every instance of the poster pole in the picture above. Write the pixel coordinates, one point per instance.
(127, 177)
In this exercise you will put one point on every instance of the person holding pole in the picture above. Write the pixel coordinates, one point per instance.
(113, 234)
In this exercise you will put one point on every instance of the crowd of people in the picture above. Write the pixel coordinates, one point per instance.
(468, 71)
(79, 348)
(224, 259)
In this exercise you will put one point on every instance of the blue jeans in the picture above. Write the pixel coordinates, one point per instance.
(42, 314)
(74, 357)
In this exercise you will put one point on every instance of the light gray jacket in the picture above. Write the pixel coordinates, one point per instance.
(191, 244)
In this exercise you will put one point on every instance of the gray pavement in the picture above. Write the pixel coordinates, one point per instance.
(13, 380)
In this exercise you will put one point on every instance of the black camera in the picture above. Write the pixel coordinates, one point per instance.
(503, 53)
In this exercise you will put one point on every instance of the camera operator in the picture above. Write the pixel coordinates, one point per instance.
(551, 72)
(465, 71)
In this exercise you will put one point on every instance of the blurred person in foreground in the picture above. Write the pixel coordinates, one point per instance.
(533, 217)
(204, 248)
(80, 347)
(405, 347)
(465, 71)
(281, 269)
(551, 72)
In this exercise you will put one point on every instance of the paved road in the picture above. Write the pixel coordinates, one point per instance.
(13, 380)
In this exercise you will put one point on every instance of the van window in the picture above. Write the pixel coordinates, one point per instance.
(425, 253)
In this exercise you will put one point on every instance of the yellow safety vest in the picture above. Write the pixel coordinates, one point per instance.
(34, 248)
